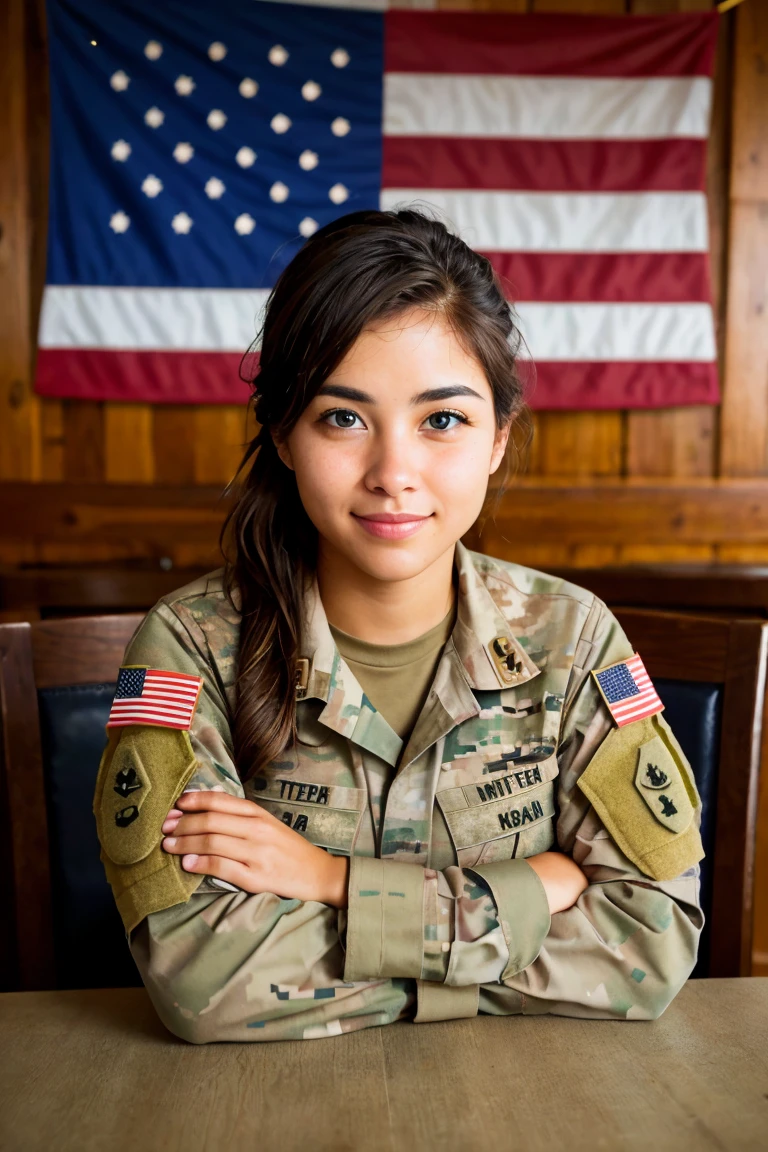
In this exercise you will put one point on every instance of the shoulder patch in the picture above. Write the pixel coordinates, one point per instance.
(142, 772)
(153, 696)
(628, 690)
(642, 788)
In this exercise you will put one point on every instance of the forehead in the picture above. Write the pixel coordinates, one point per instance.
(413, 348)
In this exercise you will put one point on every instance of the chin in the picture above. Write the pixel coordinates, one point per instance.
(392, 562)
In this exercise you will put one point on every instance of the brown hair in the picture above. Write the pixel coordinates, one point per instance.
(362, 268)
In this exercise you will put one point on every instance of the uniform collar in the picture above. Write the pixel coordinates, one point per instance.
(482, 652)
(491, 654)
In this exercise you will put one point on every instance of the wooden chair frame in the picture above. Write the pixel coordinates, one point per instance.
(731, 652)
(44, 654)
(89, 650)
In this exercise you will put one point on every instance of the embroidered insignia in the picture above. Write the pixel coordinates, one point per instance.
(153, 696)
(126, 782)
(628, 691)
(302, 677)
(659, 781)
(654, 777)
(503, 656)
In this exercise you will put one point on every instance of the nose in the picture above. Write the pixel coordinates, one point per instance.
(393, 465)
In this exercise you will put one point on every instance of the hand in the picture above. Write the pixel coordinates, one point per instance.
(562, 878)
(234, 839)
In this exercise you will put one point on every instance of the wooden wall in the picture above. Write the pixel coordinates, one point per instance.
(592, 454)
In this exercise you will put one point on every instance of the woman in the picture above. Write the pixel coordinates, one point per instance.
(364, 773)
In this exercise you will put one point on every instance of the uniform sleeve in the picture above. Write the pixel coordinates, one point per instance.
(224, 964)
(627, 946)
(630, 941)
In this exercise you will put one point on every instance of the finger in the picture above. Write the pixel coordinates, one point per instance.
(223, 869)
(203, 823)
(210, 845)
(208, 800)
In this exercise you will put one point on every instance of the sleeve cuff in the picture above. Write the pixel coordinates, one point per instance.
(385, 920)
(522, 907)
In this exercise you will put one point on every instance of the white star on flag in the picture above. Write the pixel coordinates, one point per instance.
(151, 186)
(244, 224)
(119, 222)
(181, 223)
(214, 188)
(216, 119)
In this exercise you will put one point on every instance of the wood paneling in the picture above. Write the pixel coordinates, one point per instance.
(744, 445)
(19, 409)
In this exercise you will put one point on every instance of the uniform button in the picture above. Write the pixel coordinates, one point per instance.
(445, 946)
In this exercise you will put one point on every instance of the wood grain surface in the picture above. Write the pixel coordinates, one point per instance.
(89, 1070)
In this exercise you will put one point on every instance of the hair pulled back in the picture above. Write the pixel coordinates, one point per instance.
(362, 268)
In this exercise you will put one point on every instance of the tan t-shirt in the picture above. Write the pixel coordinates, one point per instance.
(396, 677)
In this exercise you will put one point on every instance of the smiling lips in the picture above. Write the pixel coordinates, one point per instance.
(391, 525)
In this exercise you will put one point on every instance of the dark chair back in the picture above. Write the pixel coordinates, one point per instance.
(710, 673)
(56, 686)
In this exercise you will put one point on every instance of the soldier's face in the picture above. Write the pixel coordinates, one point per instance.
(405, 425)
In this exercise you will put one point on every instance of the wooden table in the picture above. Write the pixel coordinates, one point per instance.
(95, 1070)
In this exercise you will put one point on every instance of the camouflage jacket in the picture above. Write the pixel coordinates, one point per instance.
(514, 753)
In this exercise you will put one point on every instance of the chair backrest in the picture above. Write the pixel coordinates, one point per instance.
(710, 673)
(56, 685)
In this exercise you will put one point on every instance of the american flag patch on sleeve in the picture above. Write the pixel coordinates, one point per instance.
(628, 690)
(152, 696)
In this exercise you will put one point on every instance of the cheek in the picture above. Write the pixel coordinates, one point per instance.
(460, 471)
(324, 475)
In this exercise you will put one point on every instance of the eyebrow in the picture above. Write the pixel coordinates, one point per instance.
(430, 396)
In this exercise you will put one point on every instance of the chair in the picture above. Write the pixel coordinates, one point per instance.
(79, 590)
(710, 673)
(735, 590)
(56, 685)
(59, 926)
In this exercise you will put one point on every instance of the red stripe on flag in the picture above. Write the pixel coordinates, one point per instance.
(544, 165)
(616, 384)
(678, 44)
(604, 277)
(161, 377)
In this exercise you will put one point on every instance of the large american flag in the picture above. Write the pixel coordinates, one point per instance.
(195, 145)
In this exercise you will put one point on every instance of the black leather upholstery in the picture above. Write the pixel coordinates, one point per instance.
(90, 945)
(693, 712)
(91, 949)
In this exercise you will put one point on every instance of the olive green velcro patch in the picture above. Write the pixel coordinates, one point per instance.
(145, 773)
(142, 772)
(641, 787)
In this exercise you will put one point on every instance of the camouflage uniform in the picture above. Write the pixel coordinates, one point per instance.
(445, 918)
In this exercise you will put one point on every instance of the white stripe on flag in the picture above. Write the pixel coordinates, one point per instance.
(568, 221)
(546, 107)
(146, 319)
(595, 332)
(187, 319)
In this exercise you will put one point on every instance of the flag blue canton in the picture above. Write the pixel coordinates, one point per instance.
(203, 142)
(617, 683)
(130, 683)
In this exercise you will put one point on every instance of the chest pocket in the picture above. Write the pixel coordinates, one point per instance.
(501, 815)
(326, 814)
